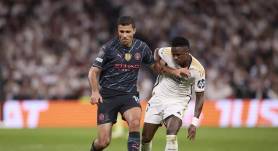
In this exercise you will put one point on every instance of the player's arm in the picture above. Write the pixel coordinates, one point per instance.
(94, 74)
(199, 91)
(197, 112)
(156, 67)
(165, 69)
(199, 104)
(160, 66)
(181, 72)
(93, 80)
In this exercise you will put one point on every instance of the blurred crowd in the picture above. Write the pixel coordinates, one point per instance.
(47, 46)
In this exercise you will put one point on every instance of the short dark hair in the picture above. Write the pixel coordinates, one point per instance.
(126, 20)
(180, 42)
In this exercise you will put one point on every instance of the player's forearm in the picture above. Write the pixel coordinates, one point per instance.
(167, 70)
(161, 67)
(93, 79)
(199, 104)
(156, 67)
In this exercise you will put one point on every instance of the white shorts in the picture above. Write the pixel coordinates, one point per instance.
(159, 108)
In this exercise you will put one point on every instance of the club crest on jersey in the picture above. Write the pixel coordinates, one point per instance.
(137, 56)
(128, 56)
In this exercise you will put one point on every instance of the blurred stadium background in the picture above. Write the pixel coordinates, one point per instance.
(47, 47)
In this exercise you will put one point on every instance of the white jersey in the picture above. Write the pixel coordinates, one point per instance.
(171, 95)
(170, 86)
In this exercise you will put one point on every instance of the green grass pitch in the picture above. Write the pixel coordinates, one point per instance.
(79, 139)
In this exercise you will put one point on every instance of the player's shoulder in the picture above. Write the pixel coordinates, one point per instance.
(196, 65)
(140, 43)
(136, 40)
(110, 44)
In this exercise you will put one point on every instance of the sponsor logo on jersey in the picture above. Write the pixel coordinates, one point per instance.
(126, 66)
(119, 56)
(136, 98)
(99, 59)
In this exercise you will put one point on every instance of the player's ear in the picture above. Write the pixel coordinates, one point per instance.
(134, 30)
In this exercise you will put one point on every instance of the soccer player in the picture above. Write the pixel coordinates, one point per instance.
(113, 78)
(171, 95)
(117, 66)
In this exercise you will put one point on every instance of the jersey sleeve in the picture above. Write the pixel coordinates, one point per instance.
(147, 55)
(200, 81)
(101, 58)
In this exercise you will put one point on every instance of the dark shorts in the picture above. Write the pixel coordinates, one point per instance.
(109, 109)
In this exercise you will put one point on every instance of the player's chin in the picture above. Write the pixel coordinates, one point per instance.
(124, 40)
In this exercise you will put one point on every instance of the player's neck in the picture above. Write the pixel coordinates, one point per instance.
(130, 44)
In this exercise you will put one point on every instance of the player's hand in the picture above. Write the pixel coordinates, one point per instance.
(185, 72)
(182, 72)
(191, 133)
(95, 98)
